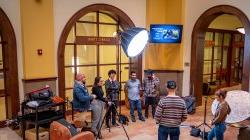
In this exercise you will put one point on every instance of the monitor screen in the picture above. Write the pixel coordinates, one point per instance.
(165, 33)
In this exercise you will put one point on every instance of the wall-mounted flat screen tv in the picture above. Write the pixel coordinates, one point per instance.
(165, 33)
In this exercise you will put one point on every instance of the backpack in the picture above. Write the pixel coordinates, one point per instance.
(190, 104)
(123, 119)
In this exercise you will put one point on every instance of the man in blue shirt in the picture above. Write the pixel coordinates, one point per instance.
(132, 87)
(81, 97)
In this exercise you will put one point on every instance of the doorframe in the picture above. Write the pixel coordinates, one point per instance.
(197, 46)
(124, 21)
(10, 66)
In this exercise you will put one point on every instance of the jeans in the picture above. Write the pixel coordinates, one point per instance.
(97, 107)
(217, 131)
(136, 103)
(164, 131)
(150, 101)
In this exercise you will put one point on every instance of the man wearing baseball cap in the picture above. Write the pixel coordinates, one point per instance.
(170, 112)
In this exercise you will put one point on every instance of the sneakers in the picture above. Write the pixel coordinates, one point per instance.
(142, 119)
(133, 119)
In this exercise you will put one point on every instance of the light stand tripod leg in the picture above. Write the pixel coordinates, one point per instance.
(123, 127)
(109, 108)
(104, 118)
(120, 79)
(204, 119)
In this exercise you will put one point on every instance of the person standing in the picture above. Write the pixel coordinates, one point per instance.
(132, 88)
(170, 112)
(220, 116)
(150, 85)
(112, 88)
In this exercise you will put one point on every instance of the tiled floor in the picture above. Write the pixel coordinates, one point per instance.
(147, 130)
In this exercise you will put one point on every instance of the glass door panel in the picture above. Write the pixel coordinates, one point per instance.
(69, 55)
(107, 30)
(227, 39)
(104, 71)
(218, 39)
(108, 54)
(85, 29)
(90, 73)
(207, 67)
(86, 54)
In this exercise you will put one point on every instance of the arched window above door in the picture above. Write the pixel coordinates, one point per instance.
(88, 44)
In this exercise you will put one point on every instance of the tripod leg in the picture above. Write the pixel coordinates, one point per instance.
(123, 127)
(104, 118)
(208, 126)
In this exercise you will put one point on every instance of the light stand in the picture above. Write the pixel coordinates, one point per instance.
(99, 131)
(204, 119)
(120, 79)
(132, 41)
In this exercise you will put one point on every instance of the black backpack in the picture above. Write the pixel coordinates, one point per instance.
(123, 119)
(190, 104)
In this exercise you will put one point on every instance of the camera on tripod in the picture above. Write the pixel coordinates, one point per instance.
(113, 92)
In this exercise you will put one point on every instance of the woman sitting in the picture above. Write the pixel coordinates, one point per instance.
(97, 105)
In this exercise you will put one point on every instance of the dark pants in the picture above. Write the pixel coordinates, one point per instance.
(150, 101)
(112, 110)
(217, 131)
(164, 131)
(132, 104)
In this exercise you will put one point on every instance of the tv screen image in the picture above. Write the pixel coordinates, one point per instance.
(165, 33)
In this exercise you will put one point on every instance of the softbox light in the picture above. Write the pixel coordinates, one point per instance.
(134, 40)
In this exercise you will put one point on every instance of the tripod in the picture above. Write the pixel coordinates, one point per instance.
(109, 108)
(204, 119)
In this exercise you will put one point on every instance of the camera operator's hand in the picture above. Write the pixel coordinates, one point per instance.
(109, 103)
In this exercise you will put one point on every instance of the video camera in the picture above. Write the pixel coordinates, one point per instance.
(113, 89)
(113, 92)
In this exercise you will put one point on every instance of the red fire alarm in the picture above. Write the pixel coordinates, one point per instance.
(39, 51)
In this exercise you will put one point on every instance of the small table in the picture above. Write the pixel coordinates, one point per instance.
(40, 116)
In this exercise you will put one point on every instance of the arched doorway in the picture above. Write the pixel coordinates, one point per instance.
(197, 46)
(87, 37)
(9, 94)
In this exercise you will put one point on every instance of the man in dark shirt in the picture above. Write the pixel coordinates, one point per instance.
(112, 88)
(150, 85)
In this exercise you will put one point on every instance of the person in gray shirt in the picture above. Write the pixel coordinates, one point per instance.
(132, 88)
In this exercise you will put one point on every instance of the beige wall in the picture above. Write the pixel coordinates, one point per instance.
(164, 56)
(193, 9)
(38, 33)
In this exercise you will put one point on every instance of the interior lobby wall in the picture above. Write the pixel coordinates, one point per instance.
(165, 59)
(63, 12)
(38, 33)
(193, 10)
(37, 23)
(12, 10)
(164, 56)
